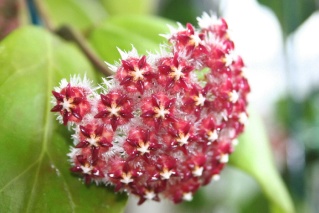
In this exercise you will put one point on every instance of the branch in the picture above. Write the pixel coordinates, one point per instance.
(71, 34)
(43, 14)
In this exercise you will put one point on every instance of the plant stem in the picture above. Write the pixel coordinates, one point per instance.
(23, 15)
(71, 34)
(43, 14)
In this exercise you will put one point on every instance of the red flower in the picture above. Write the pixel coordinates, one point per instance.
(190, 41)
(197, 164)
(140, 142)
(180, 134)
(167, 167)
(194, 100)
(87, 169)
(122, 175)
(114, 108)
(174, 72)
(135, 74)
(145, 193)
(95, 137)
(166, 123)
(209, 132)
(184, 191)
(158, 109)
(71, 103)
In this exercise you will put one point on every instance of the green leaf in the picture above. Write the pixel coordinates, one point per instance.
(187, 11)
(129, 6)
(291, 13)
(253, 155)
(34, 169)
(80, 14)
(125, 31)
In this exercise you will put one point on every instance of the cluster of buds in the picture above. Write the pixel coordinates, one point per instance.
(165, 123)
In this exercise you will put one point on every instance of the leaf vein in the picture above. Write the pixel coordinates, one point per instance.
(18, 176)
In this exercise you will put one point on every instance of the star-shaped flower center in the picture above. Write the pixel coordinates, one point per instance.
(143, 147)
(149, 195)
(183, 139)
(161, 112)
(212, 135)
(87, 169)
(216, 177)
(177, 73)
(243, 118)
(188, 196)
(93, 140)
(126, 178)
(233, 96)
(198, 171)
(114, 109)
(195, 40)
(166, 174)
(137, 74)
(199, 100)
(223, 158)
(67, 104)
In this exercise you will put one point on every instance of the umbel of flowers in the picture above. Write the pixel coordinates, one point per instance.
(165, 123)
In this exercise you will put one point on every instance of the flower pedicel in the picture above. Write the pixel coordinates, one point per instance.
(165, 124)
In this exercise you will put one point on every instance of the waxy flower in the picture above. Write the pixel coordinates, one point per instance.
(72, 104)
(135, 74)
(96, 137)
(115, 108)
(158, 109)
(174, 72)
(166, 123)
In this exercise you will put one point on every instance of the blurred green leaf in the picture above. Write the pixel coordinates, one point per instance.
(187, 10)
(34, 170)
(81, 14)
(291, 13)
(253, 155)
(301, 118)
(125, 7)
(125, 31)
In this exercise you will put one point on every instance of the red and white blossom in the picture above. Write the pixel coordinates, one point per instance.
(166, 123)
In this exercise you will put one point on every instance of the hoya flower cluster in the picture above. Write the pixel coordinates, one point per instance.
(165, 124)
